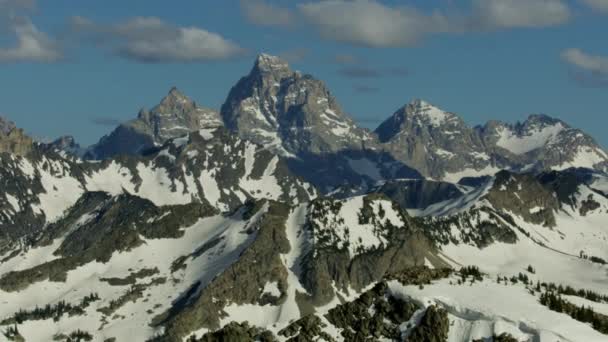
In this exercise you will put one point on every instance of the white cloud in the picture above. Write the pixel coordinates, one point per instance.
(371, 23)
(497, 14)
(31, 45)
(585, 61)
(598, 5)
(151, 40)
(260, 12)
(588, 70)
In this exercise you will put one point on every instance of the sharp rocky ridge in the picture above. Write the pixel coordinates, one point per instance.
(295, 115)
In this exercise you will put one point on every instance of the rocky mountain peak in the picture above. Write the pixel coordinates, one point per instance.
(417, 113)
(267, 64)
(428, 113)
(175, 99)
(14, 140)
(289, 113)
(541, 121)
(175, 116)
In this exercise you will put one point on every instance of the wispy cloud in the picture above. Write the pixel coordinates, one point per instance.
(31, 44)
(369, 23)
(373, 24)
(151, 40)
(262, 13)
(587, 69)
(505, 14)
(598, 5)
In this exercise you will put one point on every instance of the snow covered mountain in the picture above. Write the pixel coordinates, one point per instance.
(175, 116)
(442, 146)
(290, 223)
(210, 166)
(544, 143)
(295, 115)
(439, 144)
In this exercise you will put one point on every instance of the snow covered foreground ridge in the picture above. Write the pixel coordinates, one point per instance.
(120, 266)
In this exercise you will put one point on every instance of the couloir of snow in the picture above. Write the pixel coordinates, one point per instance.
(532, 140)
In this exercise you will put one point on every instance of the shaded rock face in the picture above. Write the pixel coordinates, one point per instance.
(432, 141)
(339, 262)
(66, 144)
(289, 112)
(235, 332)
(419, 194)
(14, 140)
(175, 116)
(525, 196)
(433, 327)
(243, 282)
(376, 315)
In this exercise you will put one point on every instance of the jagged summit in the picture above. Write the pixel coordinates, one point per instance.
(287, 112)
(176, 99)
(175, 116)
(271, 64)
(417, 113)
(14, 140)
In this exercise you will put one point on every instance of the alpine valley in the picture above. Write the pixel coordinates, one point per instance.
(278, 218)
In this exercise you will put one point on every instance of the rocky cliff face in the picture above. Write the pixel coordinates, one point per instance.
(175, 116)
(442, 146)
(432, 141)
(14, 140)
(290, 112)
(68, 145)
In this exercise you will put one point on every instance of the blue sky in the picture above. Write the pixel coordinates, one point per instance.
(82, 66)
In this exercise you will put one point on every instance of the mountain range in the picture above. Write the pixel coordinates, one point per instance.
(296, 116)
(278, 218)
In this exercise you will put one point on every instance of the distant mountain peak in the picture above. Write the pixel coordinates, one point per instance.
(434, 115)
(543, 119)
(271, 65)
(175, 116)
(176, 98)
